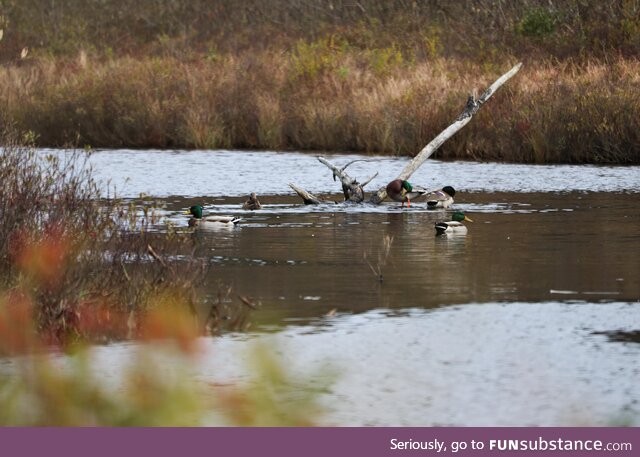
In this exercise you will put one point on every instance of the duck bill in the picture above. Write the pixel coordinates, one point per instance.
(187, 212)
(467, 219)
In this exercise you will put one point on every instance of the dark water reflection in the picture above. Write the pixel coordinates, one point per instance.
(300, 262)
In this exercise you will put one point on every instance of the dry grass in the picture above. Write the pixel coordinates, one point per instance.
(369, 76)
(552, 112)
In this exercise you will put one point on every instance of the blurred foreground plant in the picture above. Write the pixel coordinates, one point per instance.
(41, 387)
(89, 265)
(274, 398)
(153, 389)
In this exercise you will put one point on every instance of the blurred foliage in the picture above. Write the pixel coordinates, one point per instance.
(152, 387)
(274, 397)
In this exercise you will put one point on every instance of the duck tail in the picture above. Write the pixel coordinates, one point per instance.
(235, 220)
(441, 227)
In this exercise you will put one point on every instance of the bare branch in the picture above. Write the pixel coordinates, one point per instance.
(463, 119)
(368, 180)
(307, 197)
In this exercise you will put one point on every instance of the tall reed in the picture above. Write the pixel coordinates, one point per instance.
(332, 99)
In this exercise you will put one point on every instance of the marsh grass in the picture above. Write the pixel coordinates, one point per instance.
(550, 113)
(370, 77)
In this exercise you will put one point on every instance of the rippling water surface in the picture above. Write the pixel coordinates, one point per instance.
(236, 173)
(489, 364)
(512, 324)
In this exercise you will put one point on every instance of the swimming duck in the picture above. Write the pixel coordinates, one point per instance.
(198, 219)
(454, 226)
(442, 198)
(252, 203)
(403, 191)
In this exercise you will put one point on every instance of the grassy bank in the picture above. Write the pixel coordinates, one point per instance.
(325, 99)
(378, 78)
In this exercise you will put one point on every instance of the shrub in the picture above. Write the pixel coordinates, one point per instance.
(537, 22)
(86, 266)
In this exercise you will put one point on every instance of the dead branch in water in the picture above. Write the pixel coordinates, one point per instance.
(473, 106)
(307, 197)
(354, 191)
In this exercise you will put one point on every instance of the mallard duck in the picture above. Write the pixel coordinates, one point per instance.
(198, 219)
(252, 203)
(442, 198)
(454, 226)
(403, 191)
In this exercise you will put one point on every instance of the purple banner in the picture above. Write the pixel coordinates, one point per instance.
(317, 442)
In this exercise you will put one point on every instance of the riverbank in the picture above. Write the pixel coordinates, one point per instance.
(328, 100)
(368, 77)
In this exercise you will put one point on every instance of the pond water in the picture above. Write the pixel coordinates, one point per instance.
(513, 324)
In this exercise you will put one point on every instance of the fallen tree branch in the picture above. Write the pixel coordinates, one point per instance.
(351, 189)
(463, 119)
(307, 197)
(369, 179)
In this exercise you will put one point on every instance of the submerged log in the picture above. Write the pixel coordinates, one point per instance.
(463, 119)
(307, 197)
(353, 191)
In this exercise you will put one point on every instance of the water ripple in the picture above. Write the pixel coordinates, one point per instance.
(163, 173)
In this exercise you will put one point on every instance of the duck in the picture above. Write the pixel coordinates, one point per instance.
(454, 226)
(253, 203)
(441, 198)
(199, 220)
(401, 190)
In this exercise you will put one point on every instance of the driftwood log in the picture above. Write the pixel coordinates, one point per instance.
(354, 191)
(307, 197)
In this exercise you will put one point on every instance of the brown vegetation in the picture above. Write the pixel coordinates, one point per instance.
(76, 265)
(369, 76)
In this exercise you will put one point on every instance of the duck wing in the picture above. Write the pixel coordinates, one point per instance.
(416, 191)
(222, 219)
(441, 227)
(438, 198)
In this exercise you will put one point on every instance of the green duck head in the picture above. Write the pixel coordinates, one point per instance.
(459, 216)
(406, 185)
(195, 211)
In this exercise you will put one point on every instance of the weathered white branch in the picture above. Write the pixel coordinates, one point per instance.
(352, 190)
(463, 119)
(369, 179)
(353, 161)
(307, 197)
